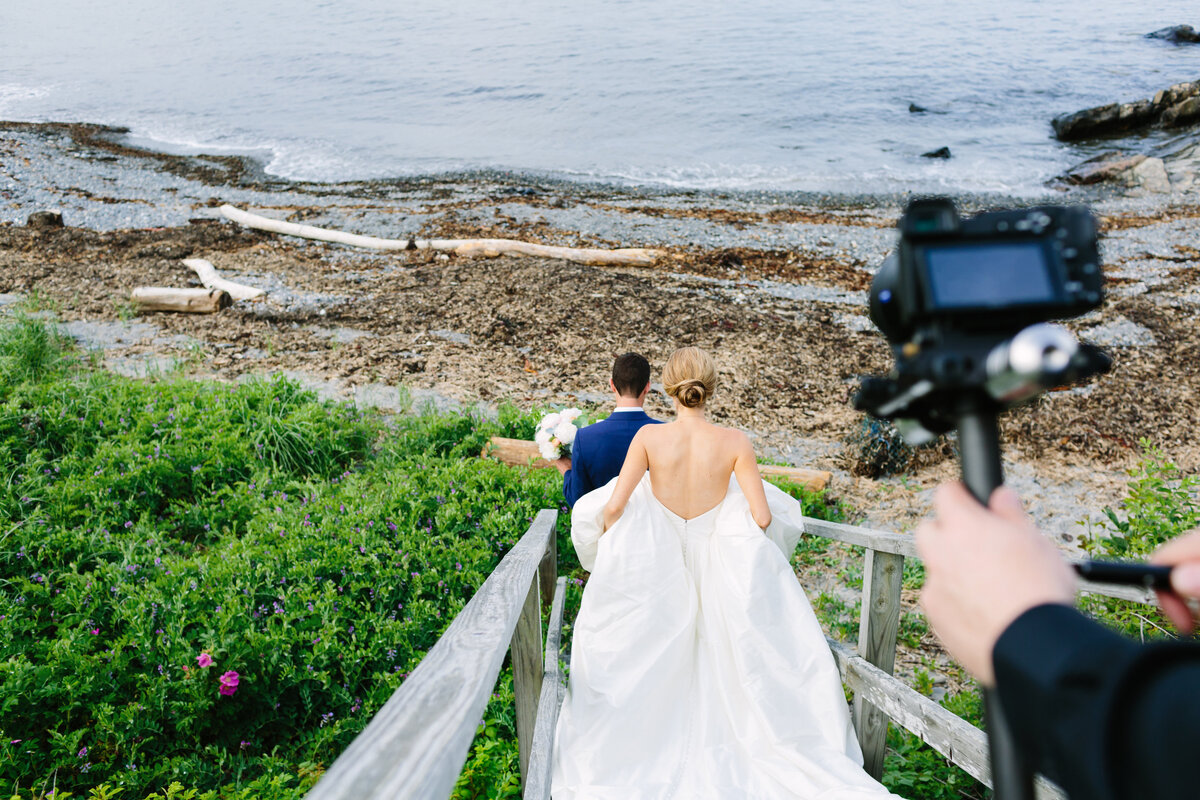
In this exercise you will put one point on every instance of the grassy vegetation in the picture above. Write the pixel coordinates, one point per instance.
(156, 537)
(207, 590)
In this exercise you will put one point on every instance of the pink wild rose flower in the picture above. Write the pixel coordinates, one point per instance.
(229, 683)
(204, 660)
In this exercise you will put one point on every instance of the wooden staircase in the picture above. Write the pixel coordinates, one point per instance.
(416, 745)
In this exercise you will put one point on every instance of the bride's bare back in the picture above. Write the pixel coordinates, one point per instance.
(690, 461)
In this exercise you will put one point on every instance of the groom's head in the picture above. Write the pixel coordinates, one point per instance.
(631, 375)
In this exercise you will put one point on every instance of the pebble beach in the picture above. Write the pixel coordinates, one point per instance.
(774, 283)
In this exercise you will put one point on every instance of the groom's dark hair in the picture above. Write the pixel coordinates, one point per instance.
(631, 373)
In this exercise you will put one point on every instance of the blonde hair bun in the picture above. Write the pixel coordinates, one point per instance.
(690, 376)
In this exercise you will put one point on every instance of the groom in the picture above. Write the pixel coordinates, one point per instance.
(599, 449)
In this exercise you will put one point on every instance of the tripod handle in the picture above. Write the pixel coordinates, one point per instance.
(979, 451)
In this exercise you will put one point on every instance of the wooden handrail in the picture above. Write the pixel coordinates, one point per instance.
(554, 687)
(944, 731)
(904, 545)
(415, 746)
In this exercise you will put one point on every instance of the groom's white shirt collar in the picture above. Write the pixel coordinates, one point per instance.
(627, 408)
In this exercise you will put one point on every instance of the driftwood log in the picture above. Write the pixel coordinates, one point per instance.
(631, 256)
(210, 278)
(191, 301)
(520, 453)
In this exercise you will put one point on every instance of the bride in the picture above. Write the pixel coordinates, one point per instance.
(698, 668)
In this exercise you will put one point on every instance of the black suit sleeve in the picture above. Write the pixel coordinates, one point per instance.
(1104, 717)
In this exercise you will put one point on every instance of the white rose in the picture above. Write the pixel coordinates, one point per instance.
(571, 414)
(548, 451)
(542, 436)
(550, 421)
(565, 432)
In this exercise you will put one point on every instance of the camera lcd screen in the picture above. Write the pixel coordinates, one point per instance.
(989, 275)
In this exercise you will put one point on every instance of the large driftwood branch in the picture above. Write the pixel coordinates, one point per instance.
(193, 301)
(522, 453)
(209, 277)
(634, 256)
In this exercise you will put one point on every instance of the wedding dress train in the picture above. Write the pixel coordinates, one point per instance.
(698, 669)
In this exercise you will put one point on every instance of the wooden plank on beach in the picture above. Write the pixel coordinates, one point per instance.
(211, 279)
(554, 687)
(632, 256)
(188, 301)
(415, 746)
(521, 453)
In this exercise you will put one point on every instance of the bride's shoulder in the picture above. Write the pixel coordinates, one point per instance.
(732, 435)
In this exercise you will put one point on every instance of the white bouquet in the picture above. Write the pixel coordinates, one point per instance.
(556, 432)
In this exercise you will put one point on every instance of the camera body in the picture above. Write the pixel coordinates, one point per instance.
(998, 271)
(964, 304)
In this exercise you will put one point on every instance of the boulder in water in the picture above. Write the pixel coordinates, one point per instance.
(1167, 107)
(913, 108)
(1183, 112)
(941, 152)
(1176, 34)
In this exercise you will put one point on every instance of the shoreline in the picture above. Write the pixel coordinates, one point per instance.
(774, 284)
(245, 174)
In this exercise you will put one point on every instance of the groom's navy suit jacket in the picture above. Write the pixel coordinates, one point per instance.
(599, 451)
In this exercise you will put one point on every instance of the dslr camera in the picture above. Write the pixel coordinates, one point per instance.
(965, 305)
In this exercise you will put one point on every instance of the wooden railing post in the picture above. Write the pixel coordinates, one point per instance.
(548, 570)
(877, 631)
(527, 670)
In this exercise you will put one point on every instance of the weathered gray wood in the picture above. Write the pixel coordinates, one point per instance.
(1132, 593)
(904, 545)
(554, 686)
(950, 735)
(877, 630)
(955, 738)
(188, 301)
(896, 543)
(415, 746)
(527, 669)
(467, 247)
(548, 570)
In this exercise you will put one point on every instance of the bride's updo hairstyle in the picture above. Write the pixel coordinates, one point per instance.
(690, 376)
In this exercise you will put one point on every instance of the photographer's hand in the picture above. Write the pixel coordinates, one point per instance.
(984, 567)
(1185, 579)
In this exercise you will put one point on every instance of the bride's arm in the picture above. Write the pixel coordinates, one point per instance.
(635, 466)
(745, 469)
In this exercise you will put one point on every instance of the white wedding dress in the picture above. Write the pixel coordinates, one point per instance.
(698, 669)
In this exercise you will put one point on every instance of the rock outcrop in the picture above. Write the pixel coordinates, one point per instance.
(1173, 107)
(1140, 173)
(941, 152)
(1176, 34)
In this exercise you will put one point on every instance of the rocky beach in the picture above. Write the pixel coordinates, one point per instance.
(774, 284)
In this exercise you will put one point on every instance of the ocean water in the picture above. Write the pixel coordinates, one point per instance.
(760, 94)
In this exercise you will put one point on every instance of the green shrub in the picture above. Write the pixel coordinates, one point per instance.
(30, 350)
(1160, 504)
(306, 546)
